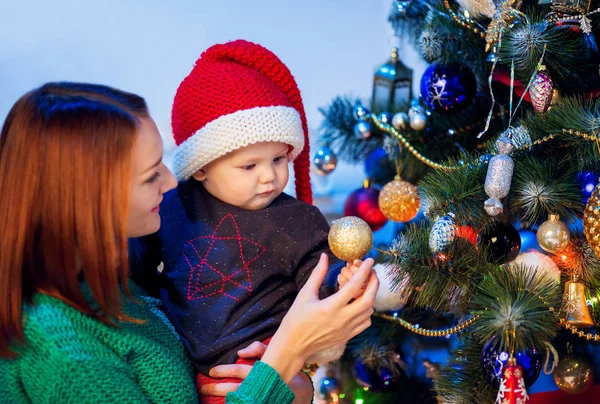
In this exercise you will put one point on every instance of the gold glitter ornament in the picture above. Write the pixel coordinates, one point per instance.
(574, 374)
(591, 221)
(399, 200)
(350, 238)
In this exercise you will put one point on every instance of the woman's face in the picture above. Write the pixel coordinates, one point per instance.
(150, 179)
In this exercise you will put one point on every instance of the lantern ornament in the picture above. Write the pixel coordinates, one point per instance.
(392, 83)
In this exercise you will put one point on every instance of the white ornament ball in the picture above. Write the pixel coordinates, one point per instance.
(539, 263)
(418, 122)
(328, 355)
(388, 298)
(400, 120)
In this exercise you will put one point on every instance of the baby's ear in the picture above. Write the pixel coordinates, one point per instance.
(200, 175)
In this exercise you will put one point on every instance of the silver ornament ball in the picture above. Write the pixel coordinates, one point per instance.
(400, 120)
(325, 161)
(418, 122)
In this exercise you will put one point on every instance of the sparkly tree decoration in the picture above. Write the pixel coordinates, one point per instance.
(541, 90)
(499, 176)
(505, 14)
(512, 387)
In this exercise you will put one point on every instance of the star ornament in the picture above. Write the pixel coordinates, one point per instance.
(219, 263)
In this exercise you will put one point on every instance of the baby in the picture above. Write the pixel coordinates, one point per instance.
(235, 248)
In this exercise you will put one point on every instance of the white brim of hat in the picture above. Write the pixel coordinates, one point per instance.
(236, 130)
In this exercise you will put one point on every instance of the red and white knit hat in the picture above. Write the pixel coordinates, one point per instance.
(239, 93)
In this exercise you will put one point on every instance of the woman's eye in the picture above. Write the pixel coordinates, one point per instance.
(154, 178)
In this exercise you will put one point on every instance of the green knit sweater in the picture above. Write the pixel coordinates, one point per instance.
(70, 357)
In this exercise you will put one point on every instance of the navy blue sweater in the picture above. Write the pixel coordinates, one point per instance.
(230, 274)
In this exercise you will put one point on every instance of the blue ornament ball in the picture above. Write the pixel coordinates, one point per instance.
(385, 117)
(376, 379)
(587, 182)
(448, 88)
(359, 112)
(379, 168)
(362, 130)
(529, 241)
(493, 361)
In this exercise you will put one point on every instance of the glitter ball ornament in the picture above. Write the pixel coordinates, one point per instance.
(502, 241)
(442, 233)
(418, 122)
(325, 161)
(574, 374)
(493, 362)
(400, 120)
(448, 88)
(350, 238)
(399, 200)
(363, 203)
(553, 235)
(362, 130)
(541, 91)
(591, 221)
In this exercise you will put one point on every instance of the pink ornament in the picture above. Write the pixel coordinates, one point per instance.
(541, 91)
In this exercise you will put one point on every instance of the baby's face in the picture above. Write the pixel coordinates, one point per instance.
(250, 177)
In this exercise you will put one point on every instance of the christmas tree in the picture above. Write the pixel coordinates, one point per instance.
(500, 151)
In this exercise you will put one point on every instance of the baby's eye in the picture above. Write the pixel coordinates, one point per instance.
(278, 159)
(249, 167)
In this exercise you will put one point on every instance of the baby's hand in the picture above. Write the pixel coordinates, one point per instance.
(347, 272)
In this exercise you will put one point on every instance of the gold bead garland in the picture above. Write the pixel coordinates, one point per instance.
(430, 333)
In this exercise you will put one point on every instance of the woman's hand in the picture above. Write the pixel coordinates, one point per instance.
(312, 325)
(300, 385)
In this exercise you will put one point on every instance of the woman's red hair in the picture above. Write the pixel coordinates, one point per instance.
(65, 151)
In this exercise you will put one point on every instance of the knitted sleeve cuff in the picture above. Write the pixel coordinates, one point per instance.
(262, 386)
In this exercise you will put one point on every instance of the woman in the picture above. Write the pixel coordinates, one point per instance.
(81, 172)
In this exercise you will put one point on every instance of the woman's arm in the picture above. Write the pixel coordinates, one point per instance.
(301, 385)
(312, 325)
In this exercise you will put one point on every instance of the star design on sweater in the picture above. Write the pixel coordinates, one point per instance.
(219, 263)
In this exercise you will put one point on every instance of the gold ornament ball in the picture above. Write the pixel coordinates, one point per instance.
(591, 221)
(350, 238)
(574, 374)
(553, 235)
(399, 201)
